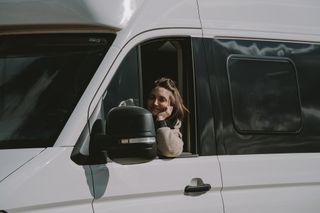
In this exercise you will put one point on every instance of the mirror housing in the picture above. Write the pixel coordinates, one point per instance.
(130, 135)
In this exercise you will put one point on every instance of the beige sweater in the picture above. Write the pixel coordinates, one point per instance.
(169, 141)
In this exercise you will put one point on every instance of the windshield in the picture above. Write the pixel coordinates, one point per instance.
(42, 77)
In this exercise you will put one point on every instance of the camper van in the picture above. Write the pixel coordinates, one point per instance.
(248, 72)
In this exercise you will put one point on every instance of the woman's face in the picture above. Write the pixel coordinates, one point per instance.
(159, 100)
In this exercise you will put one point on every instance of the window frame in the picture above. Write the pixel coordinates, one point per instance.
(189, 96)
(185, 50)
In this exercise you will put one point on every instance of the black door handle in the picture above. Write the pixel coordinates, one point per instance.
(196, 189)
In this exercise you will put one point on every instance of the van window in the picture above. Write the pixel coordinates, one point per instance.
(171, 57)
(42, 77)
(163, 57)
(264, 94)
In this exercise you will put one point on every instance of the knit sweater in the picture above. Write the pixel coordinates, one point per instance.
(169, 139)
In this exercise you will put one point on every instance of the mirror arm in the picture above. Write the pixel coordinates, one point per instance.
(98, 142)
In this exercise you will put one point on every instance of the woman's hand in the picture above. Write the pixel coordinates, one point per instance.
(164, 114)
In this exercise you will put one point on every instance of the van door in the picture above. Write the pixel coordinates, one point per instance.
(189, 183)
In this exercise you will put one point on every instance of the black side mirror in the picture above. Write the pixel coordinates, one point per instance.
(130, 135)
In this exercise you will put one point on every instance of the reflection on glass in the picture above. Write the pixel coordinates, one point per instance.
(42, 77)
(264, 93)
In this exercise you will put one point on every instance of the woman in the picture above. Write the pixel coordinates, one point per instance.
(166, 106)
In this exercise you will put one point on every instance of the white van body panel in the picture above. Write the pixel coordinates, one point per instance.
(273, 19)
(271, 183)
(50, 182)
(285, 17)
(157, 186)
(100, 13)
(132, 16)
(10, 160)
(164, 14)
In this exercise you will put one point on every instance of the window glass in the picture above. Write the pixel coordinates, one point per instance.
(264, 94)
(124, 86)
(42, 77)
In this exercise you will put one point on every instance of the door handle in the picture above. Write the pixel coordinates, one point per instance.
(201, 188)
(196, 187)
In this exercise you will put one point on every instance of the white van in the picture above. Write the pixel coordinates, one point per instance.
(248, 71)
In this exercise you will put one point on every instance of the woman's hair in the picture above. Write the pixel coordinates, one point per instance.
(179, 108)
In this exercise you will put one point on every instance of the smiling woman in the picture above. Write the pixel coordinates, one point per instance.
(159, 103)
(167, 108)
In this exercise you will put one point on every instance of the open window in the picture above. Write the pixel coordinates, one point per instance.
(171, 58)
(165, 57)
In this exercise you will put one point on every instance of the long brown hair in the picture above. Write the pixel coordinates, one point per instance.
(179, 109)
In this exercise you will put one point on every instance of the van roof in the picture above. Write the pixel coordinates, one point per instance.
(94, 15)
(294, 16)
(57, 14)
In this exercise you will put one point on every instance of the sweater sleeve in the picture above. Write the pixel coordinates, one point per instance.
(169, 141)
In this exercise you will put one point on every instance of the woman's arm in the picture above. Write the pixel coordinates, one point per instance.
(169, 141)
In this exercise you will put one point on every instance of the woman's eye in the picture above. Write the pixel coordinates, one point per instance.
(162, 100)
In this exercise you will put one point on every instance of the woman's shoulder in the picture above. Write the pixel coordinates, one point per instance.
(174, 123)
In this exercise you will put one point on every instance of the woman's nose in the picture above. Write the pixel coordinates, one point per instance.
(155, 102)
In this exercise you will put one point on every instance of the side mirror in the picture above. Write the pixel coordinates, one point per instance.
(130, 135)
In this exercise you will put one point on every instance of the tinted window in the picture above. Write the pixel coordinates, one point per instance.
(42, 77)
(264, 94)
(282, 65)
(124, 87)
